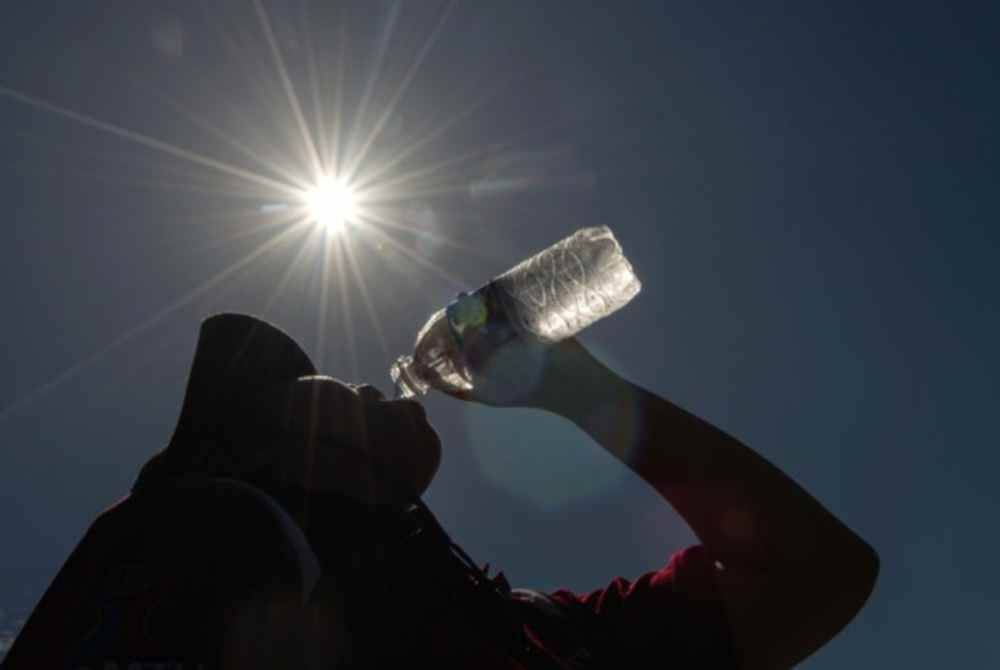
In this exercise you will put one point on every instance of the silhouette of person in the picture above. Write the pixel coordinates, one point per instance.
(282, 526)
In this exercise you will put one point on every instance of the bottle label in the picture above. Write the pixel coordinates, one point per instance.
(480, 324)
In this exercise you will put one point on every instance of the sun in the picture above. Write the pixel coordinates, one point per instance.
(331, 204)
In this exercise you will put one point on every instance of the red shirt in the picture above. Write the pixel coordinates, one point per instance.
(671, 617)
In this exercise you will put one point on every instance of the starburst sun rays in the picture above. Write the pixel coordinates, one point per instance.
(338, 186)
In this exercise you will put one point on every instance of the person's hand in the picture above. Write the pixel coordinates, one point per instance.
(509, 370)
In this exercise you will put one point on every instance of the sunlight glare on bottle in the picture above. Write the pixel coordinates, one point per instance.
(332, 204)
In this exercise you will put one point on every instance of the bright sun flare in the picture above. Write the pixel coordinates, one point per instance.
(332, 204)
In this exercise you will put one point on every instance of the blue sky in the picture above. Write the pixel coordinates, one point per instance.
(806, 192)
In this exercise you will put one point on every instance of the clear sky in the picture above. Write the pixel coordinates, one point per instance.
(805, 189)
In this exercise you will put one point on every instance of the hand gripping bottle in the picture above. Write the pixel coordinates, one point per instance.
(551, 296)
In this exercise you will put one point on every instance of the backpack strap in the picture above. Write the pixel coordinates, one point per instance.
(296, 543)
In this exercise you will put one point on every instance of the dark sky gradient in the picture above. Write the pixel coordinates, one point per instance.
(804, 189)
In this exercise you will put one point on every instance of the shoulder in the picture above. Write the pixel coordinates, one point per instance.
(160, 569)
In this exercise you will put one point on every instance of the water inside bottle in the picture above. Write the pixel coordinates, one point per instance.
(560, 291)
(436, 362)
(548, 297)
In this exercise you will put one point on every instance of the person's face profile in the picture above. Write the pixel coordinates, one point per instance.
(359, 443)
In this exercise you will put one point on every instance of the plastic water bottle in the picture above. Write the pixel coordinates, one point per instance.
(551, 296)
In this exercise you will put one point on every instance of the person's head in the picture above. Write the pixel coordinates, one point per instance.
(256, 409)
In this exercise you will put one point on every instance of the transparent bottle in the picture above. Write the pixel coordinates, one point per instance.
(550, 296)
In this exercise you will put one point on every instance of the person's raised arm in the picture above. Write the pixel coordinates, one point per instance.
(791, 574)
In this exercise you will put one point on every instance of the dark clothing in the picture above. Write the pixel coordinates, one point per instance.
(154, 582)
(215, 574)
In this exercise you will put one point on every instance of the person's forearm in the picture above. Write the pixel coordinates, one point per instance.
(739, 505)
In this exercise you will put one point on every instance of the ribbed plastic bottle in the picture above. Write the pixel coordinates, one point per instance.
(550, 296)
